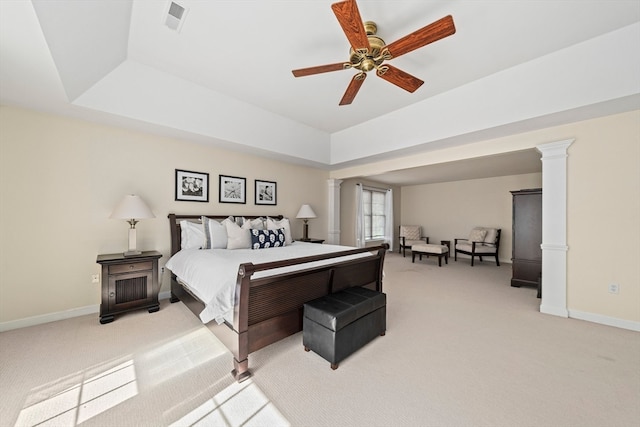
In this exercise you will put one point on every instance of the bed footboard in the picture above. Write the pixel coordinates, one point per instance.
(269, 309)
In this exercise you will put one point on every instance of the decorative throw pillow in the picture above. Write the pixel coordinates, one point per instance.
(237, 237)
(215, 234)
(256, 223)
(492, 235)
(263, 239)
(273, 224)
(411, 232)
(477, 235)
(191, 235)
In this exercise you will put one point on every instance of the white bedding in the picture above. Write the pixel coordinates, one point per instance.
(211, 273)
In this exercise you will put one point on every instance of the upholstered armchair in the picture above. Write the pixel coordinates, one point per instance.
(410, 235)
(482, 241)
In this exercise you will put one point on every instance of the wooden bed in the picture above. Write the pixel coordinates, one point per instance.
(268, 309)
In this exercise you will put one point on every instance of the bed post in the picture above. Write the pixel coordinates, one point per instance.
(241, 323)
(381, 253)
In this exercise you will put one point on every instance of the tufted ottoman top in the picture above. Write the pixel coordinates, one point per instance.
(335, 311)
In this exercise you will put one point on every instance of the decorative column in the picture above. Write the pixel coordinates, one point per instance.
(333, 208)
(554, 227)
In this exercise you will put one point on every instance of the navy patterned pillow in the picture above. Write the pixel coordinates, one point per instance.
(263, 239)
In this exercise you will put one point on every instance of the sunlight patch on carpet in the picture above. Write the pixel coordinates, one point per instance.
(79, 397)
(240, 404)
(179, 355)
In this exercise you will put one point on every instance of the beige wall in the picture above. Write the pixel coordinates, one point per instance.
(603, 206)
(61, 178)
(450, 210)
(604, 216)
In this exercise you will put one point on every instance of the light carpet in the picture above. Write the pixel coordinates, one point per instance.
(462, 348)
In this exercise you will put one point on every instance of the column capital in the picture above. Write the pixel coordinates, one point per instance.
(554, 149)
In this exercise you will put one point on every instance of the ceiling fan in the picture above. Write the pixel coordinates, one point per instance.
(368, 51)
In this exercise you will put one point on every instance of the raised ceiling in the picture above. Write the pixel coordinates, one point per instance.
(225, 78)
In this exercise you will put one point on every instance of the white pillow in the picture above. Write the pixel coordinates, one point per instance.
(273, 224)
(411, 232)
(492, 235)
(238, 237)
(215, 234)
(477, 235)
(191, 235)
(256, 224)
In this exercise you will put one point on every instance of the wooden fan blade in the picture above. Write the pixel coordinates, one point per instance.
(353, 88)
(349, 19)
(433, 32)
(319, 69)
(399, 78)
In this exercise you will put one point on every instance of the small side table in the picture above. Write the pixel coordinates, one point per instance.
(128, 283)
(312, 240)
(446, 243)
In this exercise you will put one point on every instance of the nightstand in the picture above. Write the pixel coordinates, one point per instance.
(312, 240)
(128, 283)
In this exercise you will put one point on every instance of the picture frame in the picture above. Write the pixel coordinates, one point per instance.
(233, 189)
(265, 193)
(192, 186)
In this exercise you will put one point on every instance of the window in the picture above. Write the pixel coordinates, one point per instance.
(373, 202)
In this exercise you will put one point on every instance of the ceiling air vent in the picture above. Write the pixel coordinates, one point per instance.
(175, 16)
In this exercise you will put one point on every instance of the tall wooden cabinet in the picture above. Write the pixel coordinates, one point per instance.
(527, 237)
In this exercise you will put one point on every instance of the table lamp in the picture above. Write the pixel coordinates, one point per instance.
(132, 208)
(305, 213)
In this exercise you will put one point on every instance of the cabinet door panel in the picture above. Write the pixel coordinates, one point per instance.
(130, 290)
(527, 227)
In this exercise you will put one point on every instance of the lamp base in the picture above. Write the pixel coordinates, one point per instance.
(132, 243)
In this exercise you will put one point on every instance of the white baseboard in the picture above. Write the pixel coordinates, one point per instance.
(60, 315)
(605, 320)
(92, 309)
(555, 311)
(50, 317)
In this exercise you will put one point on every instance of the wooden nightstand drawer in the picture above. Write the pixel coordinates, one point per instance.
(130, 267)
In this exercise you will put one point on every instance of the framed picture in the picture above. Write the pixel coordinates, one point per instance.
(232, 189)
(265, 192)
(192, 186)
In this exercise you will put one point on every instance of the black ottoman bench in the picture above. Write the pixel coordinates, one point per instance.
(338, 324)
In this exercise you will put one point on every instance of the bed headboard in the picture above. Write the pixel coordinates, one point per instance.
(176, 232)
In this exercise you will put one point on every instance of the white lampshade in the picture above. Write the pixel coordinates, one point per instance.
(132, 207)
(306, 212)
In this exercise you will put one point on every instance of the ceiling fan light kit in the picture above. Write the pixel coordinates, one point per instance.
(368, 51)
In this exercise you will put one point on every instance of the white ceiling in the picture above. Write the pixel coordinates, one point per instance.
(225, 77)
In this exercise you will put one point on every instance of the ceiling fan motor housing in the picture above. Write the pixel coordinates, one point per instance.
(366, 60)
